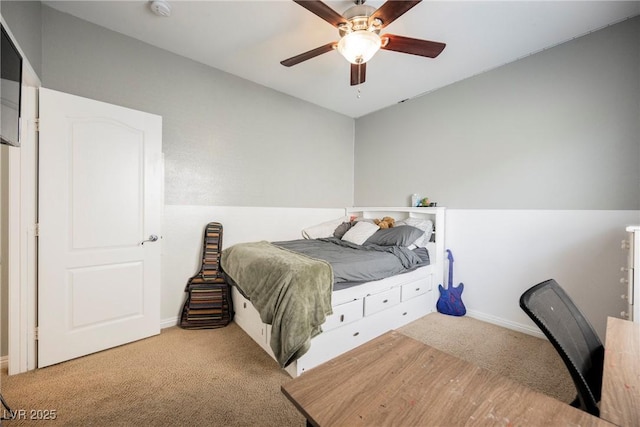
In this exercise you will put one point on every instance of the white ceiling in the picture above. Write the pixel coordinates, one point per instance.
(250, 38)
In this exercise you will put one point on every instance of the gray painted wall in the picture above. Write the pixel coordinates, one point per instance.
(227, 141)
(24, 20)
(556, 130)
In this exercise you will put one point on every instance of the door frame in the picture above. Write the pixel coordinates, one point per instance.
(22, 218)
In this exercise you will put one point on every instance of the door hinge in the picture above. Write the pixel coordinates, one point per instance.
(36, 230)
(36, 123)
(36, 334)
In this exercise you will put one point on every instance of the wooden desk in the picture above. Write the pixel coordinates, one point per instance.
(620, 400)
(396, 380)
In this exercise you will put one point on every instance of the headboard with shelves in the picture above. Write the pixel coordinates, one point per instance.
(435, 214)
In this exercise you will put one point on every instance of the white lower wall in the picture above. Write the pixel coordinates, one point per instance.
(182, 236)
(498, 254)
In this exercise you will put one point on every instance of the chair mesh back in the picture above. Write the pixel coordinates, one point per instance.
(573, 337)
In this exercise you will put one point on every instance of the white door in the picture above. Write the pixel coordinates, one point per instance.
(100, 197)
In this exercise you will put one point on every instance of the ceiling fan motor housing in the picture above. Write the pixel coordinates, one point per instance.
(359, 18)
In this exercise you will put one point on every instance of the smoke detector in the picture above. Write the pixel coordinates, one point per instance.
(161, 8)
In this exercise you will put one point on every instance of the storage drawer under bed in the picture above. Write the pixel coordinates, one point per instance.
(248, 318)
(344, 314)
(381, 301)
(412, 290)
(332, 343)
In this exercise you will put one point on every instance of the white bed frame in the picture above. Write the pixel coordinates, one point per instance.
(363, 312)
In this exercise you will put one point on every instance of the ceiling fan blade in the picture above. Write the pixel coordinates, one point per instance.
(323, 11)
(308, 55)
(392, 10)
(413, 46)
(358, 73)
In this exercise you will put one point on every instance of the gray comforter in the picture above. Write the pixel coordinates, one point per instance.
(356, 263)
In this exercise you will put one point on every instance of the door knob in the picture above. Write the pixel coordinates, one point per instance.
(151, 238)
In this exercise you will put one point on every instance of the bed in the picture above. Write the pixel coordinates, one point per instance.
(320, 300)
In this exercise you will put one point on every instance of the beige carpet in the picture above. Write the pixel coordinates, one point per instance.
(220, 377)
(523, 358)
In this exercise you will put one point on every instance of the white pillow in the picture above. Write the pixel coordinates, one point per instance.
(324, 229)
(360, 232)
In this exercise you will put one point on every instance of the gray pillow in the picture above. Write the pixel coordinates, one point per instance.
(403, 235)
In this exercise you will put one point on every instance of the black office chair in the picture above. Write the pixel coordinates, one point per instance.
(549, 306)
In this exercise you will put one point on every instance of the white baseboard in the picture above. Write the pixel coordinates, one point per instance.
(167, 323)
(529, 330)
(173, 321)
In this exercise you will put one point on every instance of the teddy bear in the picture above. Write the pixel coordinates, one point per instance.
(386, 222)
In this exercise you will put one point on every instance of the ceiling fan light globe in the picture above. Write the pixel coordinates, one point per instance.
(359, 46)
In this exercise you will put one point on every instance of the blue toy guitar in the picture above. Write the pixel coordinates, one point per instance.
(450, 301)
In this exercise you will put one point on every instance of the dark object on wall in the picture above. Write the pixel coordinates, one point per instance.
(573, 337)
(10, 90)
(450, 301)
(208, 303)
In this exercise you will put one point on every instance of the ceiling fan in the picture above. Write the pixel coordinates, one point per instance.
(359, 28)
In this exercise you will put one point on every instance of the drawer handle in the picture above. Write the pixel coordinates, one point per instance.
(417, 289)
(385, 301)
(356, 334)
(342, 317)
(404, 314)
(244, 304)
